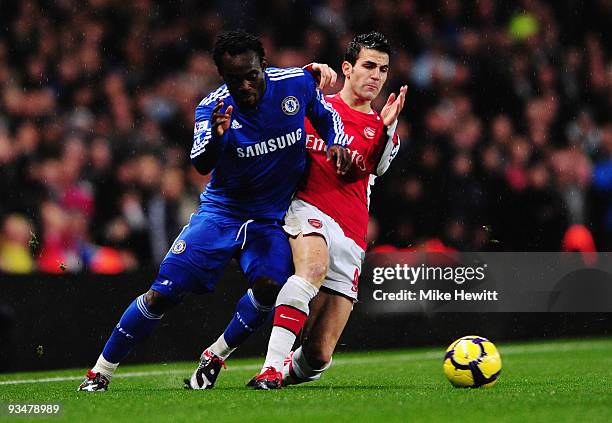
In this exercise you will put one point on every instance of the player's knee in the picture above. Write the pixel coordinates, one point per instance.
(316, 272)
(312, 269)
(265, 290)
(157, 303)
(317, 355)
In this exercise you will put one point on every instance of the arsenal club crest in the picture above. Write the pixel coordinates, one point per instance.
(315, 223)
(369, 132)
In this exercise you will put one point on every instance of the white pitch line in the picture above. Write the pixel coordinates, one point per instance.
(429, 355)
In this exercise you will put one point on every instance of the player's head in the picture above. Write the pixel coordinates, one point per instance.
(240, 59)
(366, 64)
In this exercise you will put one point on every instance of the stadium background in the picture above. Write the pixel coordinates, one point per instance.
(508, 138)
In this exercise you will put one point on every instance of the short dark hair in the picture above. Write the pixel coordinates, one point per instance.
(373, 40)
(236, 42)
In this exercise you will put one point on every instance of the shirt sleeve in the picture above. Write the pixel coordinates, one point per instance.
(323, 117)
(392, 146)
(207, 146)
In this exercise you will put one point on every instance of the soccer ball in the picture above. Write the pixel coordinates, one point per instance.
(471, 362)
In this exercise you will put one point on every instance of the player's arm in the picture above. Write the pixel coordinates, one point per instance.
(390, 150)
(328, 124)
(390, 114)
(324, 74)
(209, 136)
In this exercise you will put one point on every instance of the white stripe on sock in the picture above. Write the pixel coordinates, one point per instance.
(142, 306)
(259, 306)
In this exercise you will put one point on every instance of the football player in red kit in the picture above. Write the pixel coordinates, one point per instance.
(327, 221)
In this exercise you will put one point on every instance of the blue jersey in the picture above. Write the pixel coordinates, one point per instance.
(262, 157)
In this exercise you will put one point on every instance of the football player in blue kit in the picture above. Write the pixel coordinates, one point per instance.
(250, 134)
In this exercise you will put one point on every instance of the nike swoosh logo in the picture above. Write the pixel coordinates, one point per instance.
(287, 317)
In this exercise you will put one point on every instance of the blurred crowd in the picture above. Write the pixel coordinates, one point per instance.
(507, 131)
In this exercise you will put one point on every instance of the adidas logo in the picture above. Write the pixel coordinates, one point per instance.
(236, 125)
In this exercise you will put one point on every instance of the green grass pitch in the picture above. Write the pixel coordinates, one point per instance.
(560, 381)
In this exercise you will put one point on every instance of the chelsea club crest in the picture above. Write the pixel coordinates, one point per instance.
(290, 105)
(179, 246)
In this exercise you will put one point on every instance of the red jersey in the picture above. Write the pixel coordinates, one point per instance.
(345, 198)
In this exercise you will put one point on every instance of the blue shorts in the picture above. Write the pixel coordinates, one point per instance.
(205, 246)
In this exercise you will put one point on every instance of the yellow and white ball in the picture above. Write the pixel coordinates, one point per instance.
(472, 362)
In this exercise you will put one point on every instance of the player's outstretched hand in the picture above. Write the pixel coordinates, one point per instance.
(325, 76)
(394, 106)
(221, 121)
(342, 157)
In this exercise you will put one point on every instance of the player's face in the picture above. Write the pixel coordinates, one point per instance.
(369, 73)
(244, 76)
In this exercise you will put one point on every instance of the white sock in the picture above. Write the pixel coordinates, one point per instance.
(302, 369)
(295, 294)
(105, 367)
(281, 342)
(221, 349)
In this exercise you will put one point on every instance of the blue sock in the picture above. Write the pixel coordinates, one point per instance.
(136, 324)
(248, 317)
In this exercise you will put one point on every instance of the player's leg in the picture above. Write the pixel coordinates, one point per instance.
(187, 268)
(252, 311)
(330, 310)
(329, 314)
(265, 259)
(292, 304)
(310, 257)
(137, 323)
